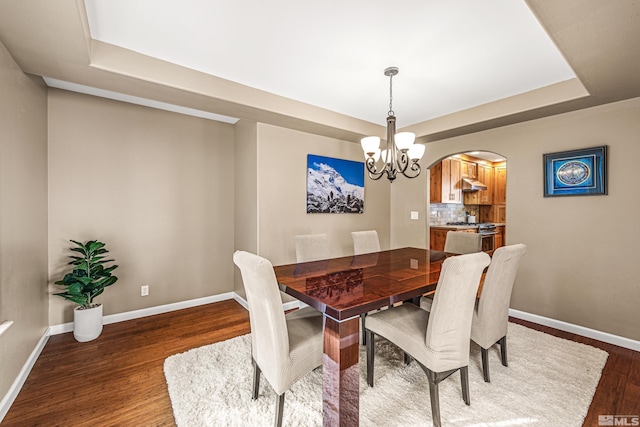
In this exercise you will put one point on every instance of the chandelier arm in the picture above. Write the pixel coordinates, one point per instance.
(371, 168)
(403, 162)
(415, 168)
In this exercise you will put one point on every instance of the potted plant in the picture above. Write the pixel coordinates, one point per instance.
(86, 281)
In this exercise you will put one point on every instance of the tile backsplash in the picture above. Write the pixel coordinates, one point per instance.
(441, 213)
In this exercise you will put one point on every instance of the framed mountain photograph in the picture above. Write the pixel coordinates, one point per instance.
(334, 185)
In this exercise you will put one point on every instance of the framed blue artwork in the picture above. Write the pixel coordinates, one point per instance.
(334, 185)
(576, 173)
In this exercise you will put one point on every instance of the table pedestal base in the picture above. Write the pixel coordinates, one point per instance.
(341, 372)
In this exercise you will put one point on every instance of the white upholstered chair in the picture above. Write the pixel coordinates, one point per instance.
(311, 247)
(365, 242)
(283, 347)
(491, 315)
(461, 242)
(457, 242)
(438, 340)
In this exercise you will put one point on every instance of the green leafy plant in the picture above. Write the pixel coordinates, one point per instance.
(89, 276)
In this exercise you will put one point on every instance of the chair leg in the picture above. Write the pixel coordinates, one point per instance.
(256, 380)
(370, 356)
(503, 350)
(364, 335)
(279, 409)
(485, 364)
(464, 379)
(407, 358)
(434, 394)
(434, 379)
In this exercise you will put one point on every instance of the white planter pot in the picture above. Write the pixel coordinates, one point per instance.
(87, 323)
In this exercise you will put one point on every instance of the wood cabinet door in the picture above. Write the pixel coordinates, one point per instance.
(485, 176)
(500, 193)
(471, 197)
(437, 238)
(455, 184)
(445, 185)
(468, 169)
(499, 237)
(435, 184)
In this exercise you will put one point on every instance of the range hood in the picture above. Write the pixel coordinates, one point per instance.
(469, 184)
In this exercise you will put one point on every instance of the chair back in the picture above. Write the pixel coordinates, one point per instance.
(492, 314)
(449, 328)
(365, 242)
(269, 335)
(461, 242)
(311, 247)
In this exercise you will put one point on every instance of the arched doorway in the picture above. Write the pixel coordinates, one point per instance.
(467, 192)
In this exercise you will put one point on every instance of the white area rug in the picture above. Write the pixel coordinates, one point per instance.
(549, 382)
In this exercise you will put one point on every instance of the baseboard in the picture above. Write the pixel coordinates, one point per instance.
(241, 301)
(136, 314)
(577, 329)
(15, 388)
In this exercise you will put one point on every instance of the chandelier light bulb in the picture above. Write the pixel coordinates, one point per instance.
(404, 140)
(370, 144)
(383, 156)
(416, 152)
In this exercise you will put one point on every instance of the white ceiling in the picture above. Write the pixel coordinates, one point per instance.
(331, 54)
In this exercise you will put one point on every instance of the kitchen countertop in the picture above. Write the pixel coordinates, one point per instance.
(463, 227)
(455, 227)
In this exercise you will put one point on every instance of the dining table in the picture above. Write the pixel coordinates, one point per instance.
(343, 289)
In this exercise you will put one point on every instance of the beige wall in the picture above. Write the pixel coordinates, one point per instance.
(246, 192)
(409, 195)
(582, 260)
(23, 216)
(282, 189)
(156, 187)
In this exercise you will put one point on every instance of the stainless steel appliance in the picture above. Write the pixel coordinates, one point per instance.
(488, 232)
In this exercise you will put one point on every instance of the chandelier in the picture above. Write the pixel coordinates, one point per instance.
(401, 154)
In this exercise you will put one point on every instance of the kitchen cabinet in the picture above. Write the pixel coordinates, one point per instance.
(482, 197)
(500, 186)
(437, 237)
(493, 213)
(471, 197)
(485, 176)
(501, 213)
(468, 169)
(445, 186)
(500, 237)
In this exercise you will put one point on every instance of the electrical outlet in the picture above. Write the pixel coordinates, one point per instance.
(144, 290)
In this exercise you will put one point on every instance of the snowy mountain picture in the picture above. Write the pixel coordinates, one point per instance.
(334, 185)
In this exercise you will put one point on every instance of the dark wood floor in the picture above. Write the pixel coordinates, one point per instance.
(118, 379)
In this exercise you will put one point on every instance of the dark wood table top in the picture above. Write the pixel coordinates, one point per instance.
(345, 287)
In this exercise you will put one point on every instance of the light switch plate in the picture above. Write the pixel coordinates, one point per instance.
(414, 215)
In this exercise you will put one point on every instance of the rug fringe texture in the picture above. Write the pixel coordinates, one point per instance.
(549, 381)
